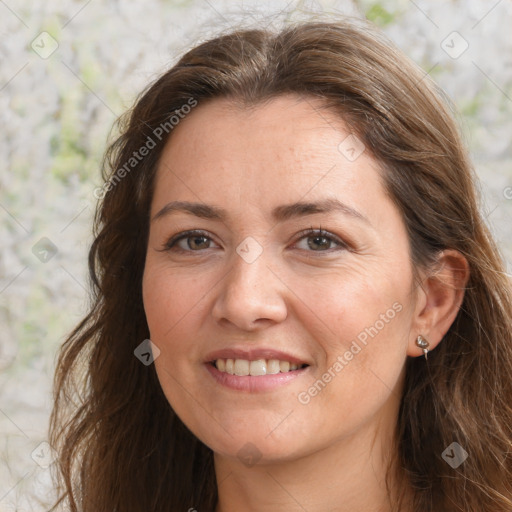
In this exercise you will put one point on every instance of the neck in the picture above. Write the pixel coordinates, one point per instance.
(347, 475)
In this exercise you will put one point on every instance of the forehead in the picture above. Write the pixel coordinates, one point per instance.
(287, 125)
(273, 153)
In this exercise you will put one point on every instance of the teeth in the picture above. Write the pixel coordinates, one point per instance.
(258, 367)
(273, 366)
(221, 365)
(284, 366)
(243, 367)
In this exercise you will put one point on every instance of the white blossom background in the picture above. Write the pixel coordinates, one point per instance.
(69, 68)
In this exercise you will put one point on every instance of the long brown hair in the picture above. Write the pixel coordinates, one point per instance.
(122, 448)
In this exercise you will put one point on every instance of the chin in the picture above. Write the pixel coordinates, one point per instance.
(251, 452)
(256, 443)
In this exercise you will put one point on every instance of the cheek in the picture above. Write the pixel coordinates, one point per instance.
(171, 298)
(172, 304)
(354, 304)
(362, 322)
(373, 350)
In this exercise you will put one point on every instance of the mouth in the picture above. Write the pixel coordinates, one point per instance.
(255, 368)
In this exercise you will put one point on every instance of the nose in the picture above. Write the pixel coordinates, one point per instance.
(251, 295)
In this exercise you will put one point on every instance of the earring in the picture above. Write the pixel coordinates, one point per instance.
(423, 344)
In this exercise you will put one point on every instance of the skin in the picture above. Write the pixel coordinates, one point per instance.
(303, 295)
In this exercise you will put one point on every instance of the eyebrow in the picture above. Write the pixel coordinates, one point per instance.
(279, 213)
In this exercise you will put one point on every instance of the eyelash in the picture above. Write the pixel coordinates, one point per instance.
(306, 233)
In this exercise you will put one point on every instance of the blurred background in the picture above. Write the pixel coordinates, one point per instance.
(70, 68)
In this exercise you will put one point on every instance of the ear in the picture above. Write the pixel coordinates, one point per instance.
(439, 297)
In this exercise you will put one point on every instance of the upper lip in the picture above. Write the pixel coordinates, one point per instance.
(253, 354)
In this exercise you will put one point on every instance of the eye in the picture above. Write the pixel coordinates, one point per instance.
(195, 241)
(321, 240)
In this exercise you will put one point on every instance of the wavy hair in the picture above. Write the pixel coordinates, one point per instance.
(121, 446)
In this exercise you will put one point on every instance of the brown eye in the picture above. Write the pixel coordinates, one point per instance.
(319, 240)
(195, 242)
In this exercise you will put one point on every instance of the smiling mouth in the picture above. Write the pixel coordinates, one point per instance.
(244, 367)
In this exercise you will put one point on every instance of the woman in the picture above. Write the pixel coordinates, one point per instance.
(297, 305)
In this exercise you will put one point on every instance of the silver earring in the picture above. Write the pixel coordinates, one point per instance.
(423, 344)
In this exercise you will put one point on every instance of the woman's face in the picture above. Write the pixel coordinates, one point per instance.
(252, 285)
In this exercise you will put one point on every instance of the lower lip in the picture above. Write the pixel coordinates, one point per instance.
(253, 383)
